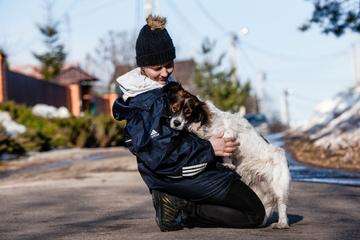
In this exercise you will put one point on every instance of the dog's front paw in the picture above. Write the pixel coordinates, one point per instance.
(280, 225)
(229, 165)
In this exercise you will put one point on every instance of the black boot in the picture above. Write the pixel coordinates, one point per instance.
(169, 211)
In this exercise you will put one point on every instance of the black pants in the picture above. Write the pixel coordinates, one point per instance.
(241, 208)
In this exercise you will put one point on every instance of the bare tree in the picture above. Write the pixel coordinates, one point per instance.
(113, 49)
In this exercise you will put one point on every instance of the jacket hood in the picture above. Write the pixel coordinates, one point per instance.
(123, 110)
(134, 83)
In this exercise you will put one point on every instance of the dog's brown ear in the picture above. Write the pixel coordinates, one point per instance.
(202, 113)
(172, 87)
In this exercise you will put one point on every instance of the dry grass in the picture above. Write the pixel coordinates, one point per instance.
(305, 151)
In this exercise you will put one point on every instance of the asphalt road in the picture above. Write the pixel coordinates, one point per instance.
(117, 205)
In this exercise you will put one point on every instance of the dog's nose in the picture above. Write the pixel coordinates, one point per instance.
(177, 123)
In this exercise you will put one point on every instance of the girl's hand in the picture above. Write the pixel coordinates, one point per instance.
(223, 147)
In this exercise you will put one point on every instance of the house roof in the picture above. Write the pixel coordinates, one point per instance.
(68, 75)
(15, 75)
(73, 74)
(120, 69)
(28, 70)
(184, 72)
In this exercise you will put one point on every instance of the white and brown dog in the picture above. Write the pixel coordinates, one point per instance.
(263, 167)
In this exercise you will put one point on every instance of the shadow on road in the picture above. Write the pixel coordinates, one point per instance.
(293, 218)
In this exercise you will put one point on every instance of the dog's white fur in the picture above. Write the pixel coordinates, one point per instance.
(263, 167)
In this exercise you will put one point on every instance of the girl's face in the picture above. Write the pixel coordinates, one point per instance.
(159, 73)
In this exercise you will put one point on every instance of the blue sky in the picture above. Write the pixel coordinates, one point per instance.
(311, 65)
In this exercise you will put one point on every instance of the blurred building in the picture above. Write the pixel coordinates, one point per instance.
(74, 75)
(72, 88)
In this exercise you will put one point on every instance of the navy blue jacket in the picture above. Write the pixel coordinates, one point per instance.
(176, 162)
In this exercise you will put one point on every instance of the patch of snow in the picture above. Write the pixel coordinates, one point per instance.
(336, 122)
(329, 109)
(11, 127)
(46, 111)
(338, 140)
(346, 121)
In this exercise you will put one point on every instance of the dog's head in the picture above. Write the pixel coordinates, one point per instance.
(184, 107)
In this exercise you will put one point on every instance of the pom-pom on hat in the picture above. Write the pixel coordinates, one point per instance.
(154, 45)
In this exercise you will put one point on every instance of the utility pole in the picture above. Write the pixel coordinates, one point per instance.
(233, 56)
(356, 64)
(233, 51)
(286, 106)
(148, 7)
(261, 78)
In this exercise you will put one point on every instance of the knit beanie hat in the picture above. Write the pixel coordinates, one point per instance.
(154, 45)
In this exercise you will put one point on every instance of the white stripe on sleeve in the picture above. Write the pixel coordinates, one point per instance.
(193, 170)
(194, 166)
(192, 174)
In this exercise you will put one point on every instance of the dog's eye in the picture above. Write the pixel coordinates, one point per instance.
(191, 103)
(187, 112)
(175, 107)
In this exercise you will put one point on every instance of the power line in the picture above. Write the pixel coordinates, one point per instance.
(222, 28)
(225, 31)
(290, 57)
(210, 17)
(302, 98)
(248, 60)
(183, 17)
(68, 8)
(281, 56)
(99, 7)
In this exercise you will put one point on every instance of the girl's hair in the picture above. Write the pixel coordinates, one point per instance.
(142, 71)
